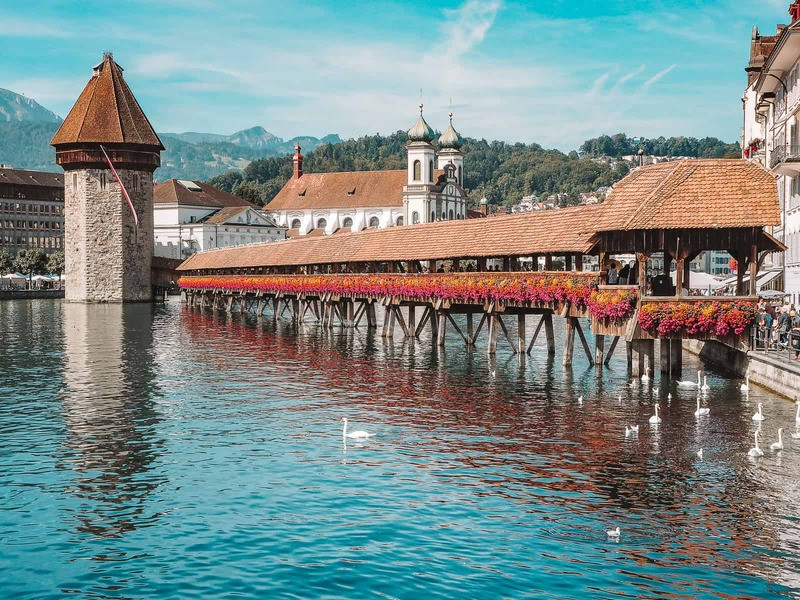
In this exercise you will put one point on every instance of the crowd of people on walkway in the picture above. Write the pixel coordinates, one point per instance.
(778, 327)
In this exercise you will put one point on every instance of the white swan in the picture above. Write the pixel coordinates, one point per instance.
(759, 416)
(795, 435)
(655, 419)
(745, 387)
(580, 400)
(779, 444)
(756, 451)
(354, 435)
(705, 387)
(700, 453)
(701, 411)
(613, 533)
(632, 430)
(690, 383)
(646, 376)
(797, 416)
(669, 397)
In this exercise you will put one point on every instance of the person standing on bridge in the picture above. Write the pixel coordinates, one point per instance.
(613, 274)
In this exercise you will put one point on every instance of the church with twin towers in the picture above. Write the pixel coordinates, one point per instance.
(430, 189)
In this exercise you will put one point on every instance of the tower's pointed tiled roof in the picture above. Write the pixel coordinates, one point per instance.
(107, 112)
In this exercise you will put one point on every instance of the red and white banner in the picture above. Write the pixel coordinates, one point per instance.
(122, 187)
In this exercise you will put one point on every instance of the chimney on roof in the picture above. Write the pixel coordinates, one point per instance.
(794, 10)
(484, 206)
(297, 160)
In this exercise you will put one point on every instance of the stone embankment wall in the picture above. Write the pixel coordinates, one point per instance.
(773, 372)
(30, 294)
(107, 258)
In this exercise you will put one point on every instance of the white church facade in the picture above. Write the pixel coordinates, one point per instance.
(430, 189)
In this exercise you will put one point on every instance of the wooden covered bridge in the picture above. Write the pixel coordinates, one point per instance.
(476, 275)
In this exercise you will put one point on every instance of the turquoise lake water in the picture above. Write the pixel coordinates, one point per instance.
(155, 451)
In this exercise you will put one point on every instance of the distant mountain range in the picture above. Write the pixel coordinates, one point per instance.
(26, 128)
(15, 108)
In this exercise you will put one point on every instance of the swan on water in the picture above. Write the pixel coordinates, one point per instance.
(632, 430)
(705, 387)
(655, 419)
(795, 435)
(700, 453)
(779, 444)
(669, 397)
(690, 383)
(646, 376)
(745, 387)
(756, 451)
(354, 435)
(701, 410)
(613, 533)
(759, 416)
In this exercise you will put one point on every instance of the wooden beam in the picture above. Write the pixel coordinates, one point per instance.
(753, 269)
(548, 330)
(521, 346)
(457, 328)
(442, 318)
(664, 355)
(611, 349)
(401, 320)
(535, 334)
(569, 341)
(426, 314)
(470, 330)
(505, 332)
(585, 345)
(599, 348)
(676, 358)
(480, 326)
(492, 349)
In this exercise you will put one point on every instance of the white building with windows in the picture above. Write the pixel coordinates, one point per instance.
(191, 216)
(429, 189)
(771, 133)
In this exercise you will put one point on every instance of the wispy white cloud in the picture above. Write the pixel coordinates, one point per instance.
(657, 77)
(467, 26)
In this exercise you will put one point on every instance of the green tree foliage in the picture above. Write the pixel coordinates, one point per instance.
(503, 172)
(621, 145)
(30, 262)
(55, 263)
(6, 262)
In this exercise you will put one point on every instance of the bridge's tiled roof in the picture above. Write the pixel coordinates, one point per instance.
(693, 194)
(561, 231)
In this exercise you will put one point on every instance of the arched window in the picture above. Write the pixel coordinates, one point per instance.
(450, 214)
(459, 176)
(295, 224)
(444, 216)
(399, 220)
(322, 223)
(417, 171)
(430, 171)
(374, 222)
(415, 217)
(348, 222)
(433, 216)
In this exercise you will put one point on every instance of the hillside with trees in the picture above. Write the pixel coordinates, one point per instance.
(620, 145)
(503, 172)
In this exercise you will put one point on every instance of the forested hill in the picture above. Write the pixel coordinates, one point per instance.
(621, 145)
(503, 172)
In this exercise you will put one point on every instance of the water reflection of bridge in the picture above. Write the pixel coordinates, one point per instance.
(676, 210)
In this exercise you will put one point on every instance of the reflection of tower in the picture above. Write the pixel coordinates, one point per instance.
(107, 255)
(110, 414)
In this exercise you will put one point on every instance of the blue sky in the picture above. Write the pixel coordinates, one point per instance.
(549, 71)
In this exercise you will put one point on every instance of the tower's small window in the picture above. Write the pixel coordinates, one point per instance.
(415, 217)
(74, 180)
(450, 214)
(459, 175)
(433, 216)
(399, 220)
(103, 180)
(430, 171)
(348, 222)
(322, 223)
(417, 171)
(295, 224)
(374, 221)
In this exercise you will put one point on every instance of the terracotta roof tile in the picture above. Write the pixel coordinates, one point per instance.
(693, 194)
(566, 230)
(173, 192)
(341, 190)
(106, 112)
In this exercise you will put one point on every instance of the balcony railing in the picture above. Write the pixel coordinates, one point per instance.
(784, 153)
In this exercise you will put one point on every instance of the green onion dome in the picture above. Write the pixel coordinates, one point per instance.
(451, 138)
(421, 131)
